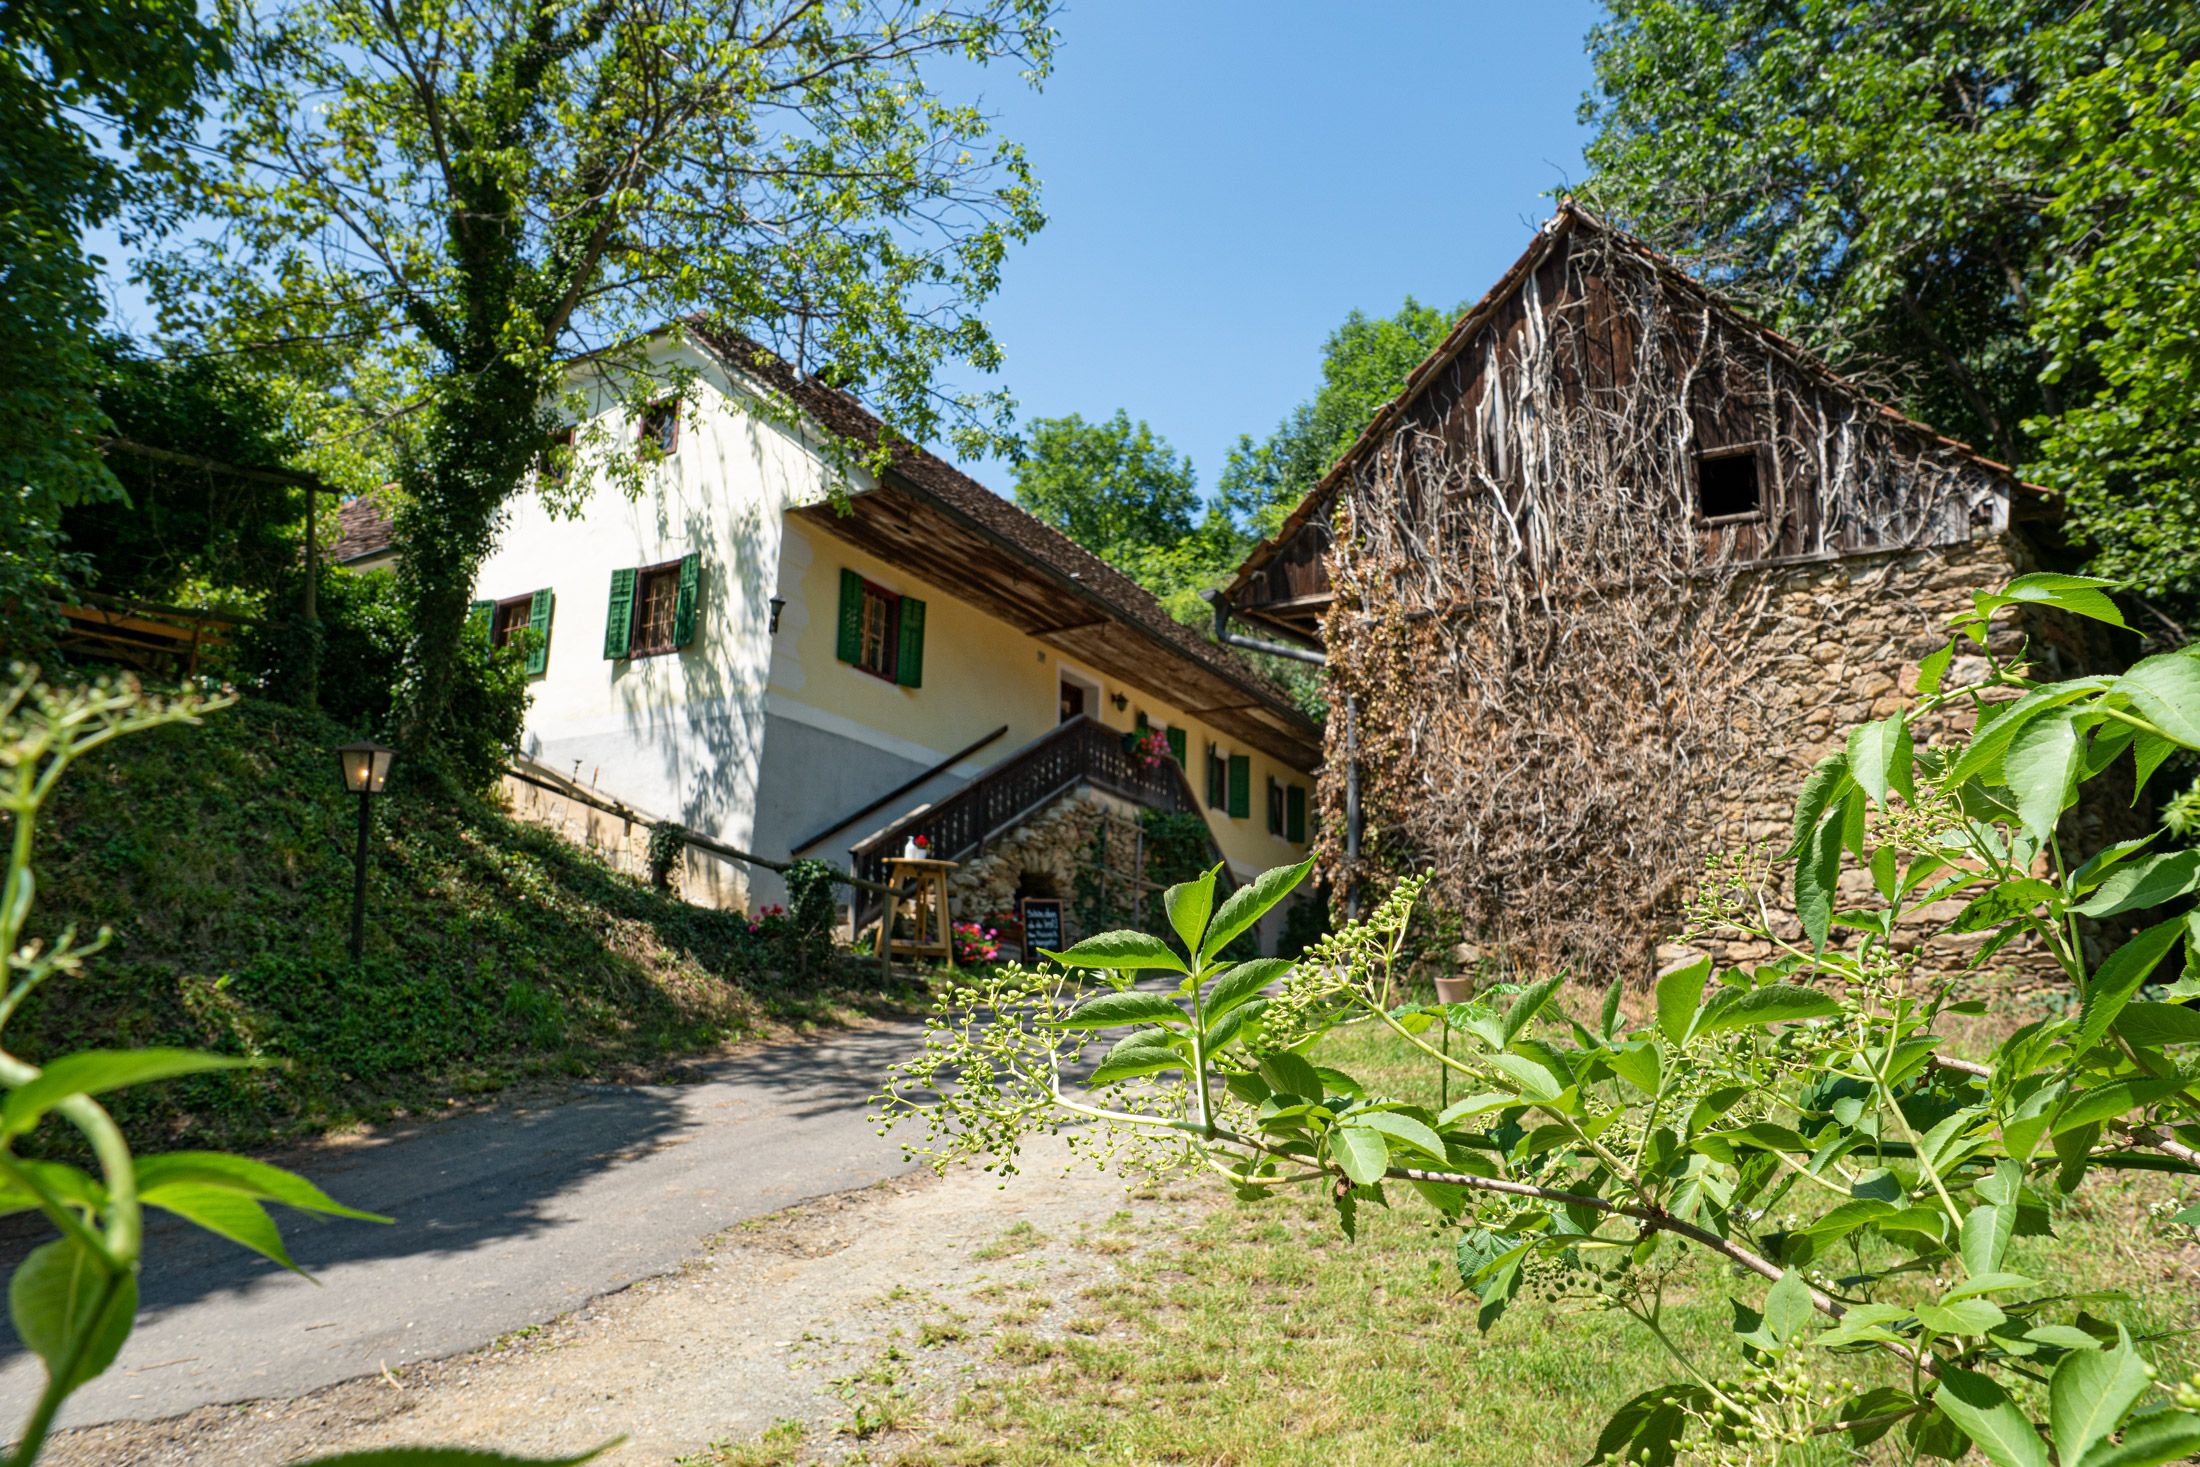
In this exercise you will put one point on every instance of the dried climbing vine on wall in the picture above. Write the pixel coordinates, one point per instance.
(1559, 662)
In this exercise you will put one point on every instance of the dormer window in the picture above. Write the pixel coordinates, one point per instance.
(1726, 486)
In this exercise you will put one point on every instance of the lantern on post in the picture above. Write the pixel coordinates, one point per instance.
(366, 768)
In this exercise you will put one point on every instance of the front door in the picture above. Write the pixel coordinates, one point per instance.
(1073, 700)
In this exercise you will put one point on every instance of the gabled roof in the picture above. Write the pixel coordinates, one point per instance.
(940, 524)
(1570, 217)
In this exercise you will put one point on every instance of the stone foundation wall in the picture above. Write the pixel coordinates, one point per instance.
(1052, 849)
(1844, 648)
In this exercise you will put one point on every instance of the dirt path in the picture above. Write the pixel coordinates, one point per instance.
(851, 1315)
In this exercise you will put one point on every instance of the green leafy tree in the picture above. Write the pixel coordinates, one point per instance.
(1803, 1120)
(177, 525)
(1364, 363)
(132, 71)
(440, 206)
(2122, 311)
(1112, 486)
(1981, 207)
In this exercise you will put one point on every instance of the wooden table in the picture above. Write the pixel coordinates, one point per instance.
(934, 933)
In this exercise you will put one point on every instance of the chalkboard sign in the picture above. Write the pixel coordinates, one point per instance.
(1042, 927)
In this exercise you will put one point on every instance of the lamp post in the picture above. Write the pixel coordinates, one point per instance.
(366, 768)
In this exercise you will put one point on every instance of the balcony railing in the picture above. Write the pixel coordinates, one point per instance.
(1077, 752)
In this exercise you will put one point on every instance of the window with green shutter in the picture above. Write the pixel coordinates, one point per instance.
(481, 621)
(538, 622)
(1241, 786)
(618, 625)
(687, 591)
(851, 617)
(1294, 814)
(909, 653)
(1177, 746)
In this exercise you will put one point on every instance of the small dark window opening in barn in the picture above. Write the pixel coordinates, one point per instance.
(1726, 486)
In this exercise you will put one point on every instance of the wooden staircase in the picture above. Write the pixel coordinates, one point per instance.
(1079, 752)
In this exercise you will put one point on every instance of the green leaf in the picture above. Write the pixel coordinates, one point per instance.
(2162, 1436)
(1988, 1283)
(1291, 1074)
(1678, 992)
(2117, 979)
(2158, 1025)
(2165, 691)
(1855, 1213)
(1880, 755)
(2108, 1102)
(1933, 668)
(1189, 905)
(1361, 1152)
(65, 1302)
(1241, 983)
(1962, 1317)
(1112, 1009)
(1987, 1230)
(1401, 1128)
(451, 1457)
(1535, 1082)
(1529, 1004)
(1249, 903)
(1646, 1432)
(2147, 754)
(1788, 1307)
(1863, 1322)
(1123, 949)
(2004, 901)
(1608, 1015)
(1636, 1063)
(1993, 1422)
(1824, 784)
(2079, 595)
(2089, 1394)
(243, 1175)
(2040, 769)
(1817, 877)
(1145, 1052)
(97, 1071)
(1778, 1004)
(2144, 883)
(1991, 742)
(231, 1215)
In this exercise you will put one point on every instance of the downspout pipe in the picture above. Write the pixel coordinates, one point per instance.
(1228, 638)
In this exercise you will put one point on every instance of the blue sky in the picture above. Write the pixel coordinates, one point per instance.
(1225, 181)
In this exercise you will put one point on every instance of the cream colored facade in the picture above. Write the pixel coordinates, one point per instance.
(759, 739)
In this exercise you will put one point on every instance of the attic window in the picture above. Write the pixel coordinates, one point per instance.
(661, 425)
(1726, 486)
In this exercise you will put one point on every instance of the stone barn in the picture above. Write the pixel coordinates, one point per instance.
(1603, 581)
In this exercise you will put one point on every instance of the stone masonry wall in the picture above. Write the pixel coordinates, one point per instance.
(1051, 849)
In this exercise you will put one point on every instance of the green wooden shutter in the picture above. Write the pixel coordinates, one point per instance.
(538, 622)
(481, 620)
(683, 605)
(618, 626)
(909, 656)
(851, 617)
(1176, 745)
(1294, 814)
(1241, 786)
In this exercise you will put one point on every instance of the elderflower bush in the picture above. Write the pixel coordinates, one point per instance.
(1799, 1119)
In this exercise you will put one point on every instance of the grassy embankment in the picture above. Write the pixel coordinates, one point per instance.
(495, 952)
(1261, 1337)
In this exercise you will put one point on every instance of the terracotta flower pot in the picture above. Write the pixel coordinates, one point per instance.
(1455, 990)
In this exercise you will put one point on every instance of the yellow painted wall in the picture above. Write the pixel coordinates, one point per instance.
(979, 672)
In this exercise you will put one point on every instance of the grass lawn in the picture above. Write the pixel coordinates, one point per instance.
(1259, 1334)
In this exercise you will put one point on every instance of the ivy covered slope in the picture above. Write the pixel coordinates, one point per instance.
(220, 856)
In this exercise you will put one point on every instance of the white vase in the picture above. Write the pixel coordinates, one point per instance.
(912, 852)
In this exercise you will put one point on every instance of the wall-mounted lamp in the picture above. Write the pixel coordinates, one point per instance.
(779, 604)
(1121, 701)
